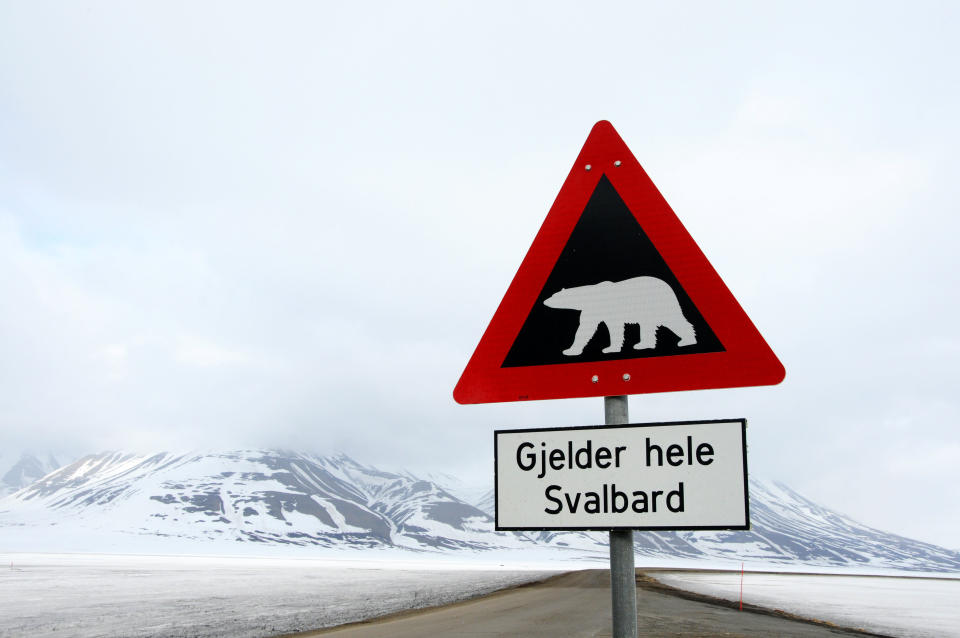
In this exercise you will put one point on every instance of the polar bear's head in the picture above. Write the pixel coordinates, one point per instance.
(565, 298)
(581, 297)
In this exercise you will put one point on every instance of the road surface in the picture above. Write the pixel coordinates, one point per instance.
(577, 604)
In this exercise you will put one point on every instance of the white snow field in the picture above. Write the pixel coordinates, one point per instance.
(87, 596)
(137, 596)
(924, 607)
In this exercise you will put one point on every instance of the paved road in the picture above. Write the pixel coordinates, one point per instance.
(578, 605)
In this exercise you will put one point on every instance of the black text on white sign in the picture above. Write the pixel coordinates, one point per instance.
(657, 476)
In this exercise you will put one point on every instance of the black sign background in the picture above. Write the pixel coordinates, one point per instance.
(607, 244)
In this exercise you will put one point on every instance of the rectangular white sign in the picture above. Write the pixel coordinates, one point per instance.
(645, 476)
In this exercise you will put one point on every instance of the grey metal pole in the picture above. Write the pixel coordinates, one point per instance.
(623, 580)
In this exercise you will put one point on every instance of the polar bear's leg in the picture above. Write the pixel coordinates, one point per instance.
(588, 326)
(648, 337)
(616, 336)
(684, 330)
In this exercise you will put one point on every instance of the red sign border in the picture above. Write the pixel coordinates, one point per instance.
(746, 361)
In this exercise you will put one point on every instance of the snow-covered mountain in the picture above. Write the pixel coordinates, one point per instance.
(17, 473)
(785, 528)
(254, 496)
(277, 498)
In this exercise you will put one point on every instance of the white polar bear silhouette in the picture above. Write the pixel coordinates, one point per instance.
(646, 301)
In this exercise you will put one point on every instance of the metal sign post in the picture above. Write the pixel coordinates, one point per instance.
(623, 579)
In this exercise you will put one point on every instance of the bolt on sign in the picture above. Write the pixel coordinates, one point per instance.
(614, 297)
(652, 476)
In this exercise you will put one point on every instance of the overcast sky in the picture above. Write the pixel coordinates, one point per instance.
(288, 224)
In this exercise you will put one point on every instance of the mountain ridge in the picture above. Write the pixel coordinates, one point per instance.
(27, 469)
(285, 498)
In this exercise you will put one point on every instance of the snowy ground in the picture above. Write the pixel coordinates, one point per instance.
(97, 595)
(896, 606)
(88, 596)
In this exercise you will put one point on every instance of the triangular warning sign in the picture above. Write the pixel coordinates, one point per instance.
(614, 297)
